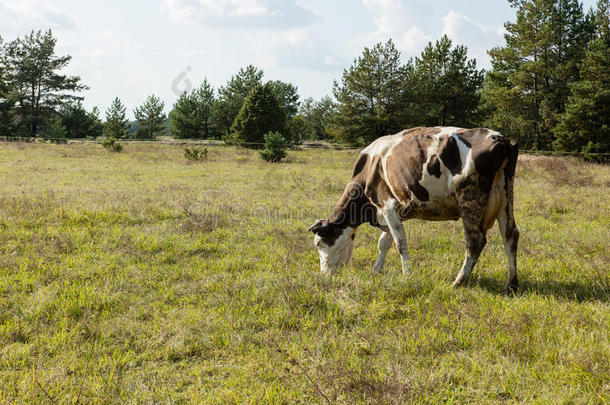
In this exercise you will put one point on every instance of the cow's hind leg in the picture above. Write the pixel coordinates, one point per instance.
(510, 237)
(475, 242)
(385, 243)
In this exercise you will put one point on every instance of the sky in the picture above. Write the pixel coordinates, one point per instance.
(133, 48)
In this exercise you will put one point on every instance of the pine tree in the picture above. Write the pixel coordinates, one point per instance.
(287, 96)
(182, 118)
(260, 114)
(298, 129)
(232, 96)
(444, 87)
(369, 96)
(275, 147)
(116, 124)
(54, 129)
(318, 116)
(526, 91)
(191, 116)
(205, 103)
(7, 100)
(150, 117)
(33, 76)
(585, 126)
(79, 123)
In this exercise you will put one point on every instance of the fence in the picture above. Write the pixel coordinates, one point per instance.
(208, 142)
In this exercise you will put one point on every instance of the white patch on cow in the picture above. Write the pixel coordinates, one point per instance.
(382, 145)
(492, 133)
(468, 166)
(337, 255)
(438, 188)
(384, 244)
(392, 217)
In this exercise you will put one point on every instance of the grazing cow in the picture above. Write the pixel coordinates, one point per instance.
(437, 174)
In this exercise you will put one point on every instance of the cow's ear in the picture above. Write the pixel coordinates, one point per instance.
(316, 226)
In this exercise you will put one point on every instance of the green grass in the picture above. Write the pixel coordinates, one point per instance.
(141, 277)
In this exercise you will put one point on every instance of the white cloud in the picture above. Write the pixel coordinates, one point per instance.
(406, 23)
(399, 21)
(14, 15)
(476, 36)
(264, 14)
(298, 48)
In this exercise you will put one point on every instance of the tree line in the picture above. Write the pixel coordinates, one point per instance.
(548, 86)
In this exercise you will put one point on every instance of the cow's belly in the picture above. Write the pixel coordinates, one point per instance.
(440, 209)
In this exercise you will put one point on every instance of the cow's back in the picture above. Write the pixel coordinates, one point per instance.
(423, 167)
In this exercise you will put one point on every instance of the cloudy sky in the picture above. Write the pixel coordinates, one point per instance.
(133, 48)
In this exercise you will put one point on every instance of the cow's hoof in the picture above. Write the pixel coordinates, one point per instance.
(459, 282)
(513, 286)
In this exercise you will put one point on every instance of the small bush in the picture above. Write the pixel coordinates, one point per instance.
(195, 153)
(275, 147)
(111, 144)
(232, 138)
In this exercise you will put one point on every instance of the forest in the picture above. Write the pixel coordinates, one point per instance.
(548, 87)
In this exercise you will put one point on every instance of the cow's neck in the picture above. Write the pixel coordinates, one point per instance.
(353, 208)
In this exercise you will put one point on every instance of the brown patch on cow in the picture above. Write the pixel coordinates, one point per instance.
(489, 156)
(360, 164)
(405, 164)
(376, 188)
(449, 153)
(494, 201)
(417, 131)
(434, 166)
(472, 136)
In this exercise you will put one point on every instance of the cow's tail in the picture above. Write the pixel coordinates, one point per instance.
(509, 178)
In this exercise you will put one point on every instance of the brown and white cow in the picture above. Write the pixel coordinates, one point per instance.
(437, 174)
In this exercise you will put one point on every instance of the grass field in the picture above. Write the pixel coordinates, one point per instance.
(139, 277)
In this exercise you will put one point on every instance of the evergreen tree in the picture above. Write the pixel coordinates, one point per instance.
(232, 96)
(444, 87)
(206, 104)
(116, 124)
(33, 76)
(79, 123)
(260, 114)
(182, 118)
(150, 117)
(54, 129)
(585, 126)
(370, 95)
(526, 91)
(298, 129)
(192, 114)
(7, 100)
(275, 147)
(287, 96)
(318, 116)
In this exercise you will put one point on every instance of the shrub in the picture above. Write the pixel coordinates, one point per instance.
(111, 144)
(275, 147)
(195, 153)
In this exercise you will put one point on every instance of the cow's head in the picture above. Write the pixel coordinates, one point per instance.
(334, 243)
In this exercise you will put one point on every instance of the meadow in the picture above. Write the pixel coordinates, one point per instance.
(140, 277)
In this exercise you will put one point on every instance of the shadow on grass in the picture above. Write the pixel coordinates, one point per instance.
(587, 290)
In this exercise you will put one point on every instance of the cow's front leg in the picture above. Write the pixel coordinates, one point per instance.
(385, 243)
(398, 232)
